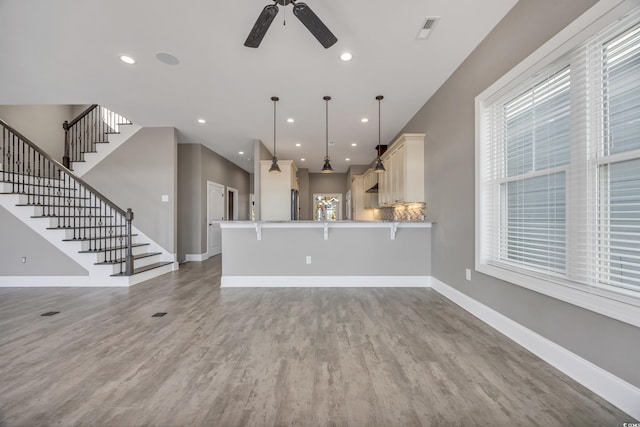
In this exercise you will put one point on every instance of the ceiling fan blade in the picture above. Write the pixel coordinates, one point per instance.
(314, 24)
(261, 26)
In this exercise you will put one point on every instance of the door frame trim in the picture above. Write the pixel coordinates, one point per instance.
(235, 203)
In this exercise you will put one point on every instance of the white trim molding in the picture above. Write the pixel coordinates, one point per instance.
(608, 386)
(196, 257)
(325, 281)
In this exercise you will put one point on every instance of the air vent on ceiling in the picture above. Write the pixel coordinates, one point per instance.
(426, 28)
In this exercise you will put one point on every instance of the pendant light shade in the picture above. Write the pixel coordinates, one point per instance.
(326, 168)
(379, 167)
(274, 162)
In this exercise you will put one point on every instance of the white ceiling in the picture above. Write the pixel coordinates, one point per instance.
(66, 52)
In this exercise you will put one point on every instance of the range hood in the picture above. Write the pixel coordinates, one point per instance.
(373, 189)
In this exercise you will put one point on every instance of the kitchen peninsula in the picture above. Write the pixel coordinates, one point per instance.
(326, 254)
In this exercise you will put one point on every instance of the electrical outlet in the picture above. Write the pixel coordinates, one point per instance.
(308, 259)
(467, 273)
(24, 259)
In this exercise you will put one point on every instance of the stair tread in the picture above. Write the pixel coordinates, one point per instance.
(26, 184)
(117, 236)
(26, 174)
(55, 195)
(88, 226)
(145, 268)
(36, 205)
(121, 260)
(72, 216)
(42, 195)
(114, 248)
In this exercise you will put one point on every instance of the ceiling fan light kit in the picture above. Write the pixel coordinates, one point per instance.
(302, 11)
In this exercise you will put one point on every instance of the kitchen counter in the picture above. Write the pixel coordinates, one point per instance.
(313, 253)
(393, 226)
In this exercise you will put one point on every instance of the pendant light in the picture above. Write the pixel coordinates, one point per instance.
(379, 167)
(326, 168)
(274, 162)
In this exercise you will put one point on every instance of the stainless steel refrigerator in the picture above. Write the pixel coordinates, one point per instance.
(295, 205)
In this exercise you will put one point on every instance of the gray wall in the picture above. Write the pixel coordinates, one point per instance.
(448, 121)
(197, 165)
(347, 252)
(43, 258)
(304, 197)
(327, 183)
(136, 175)
(41, 124)
(189, 190)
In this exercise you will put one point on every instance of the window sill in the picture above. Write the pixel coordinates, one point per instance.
(611, 304)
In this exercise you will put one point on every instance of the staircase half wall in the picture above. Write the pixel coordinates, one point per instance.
(142, 174)
(24, 252)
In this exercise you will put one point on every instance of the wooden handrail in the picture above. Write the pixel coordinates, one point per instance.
(67, 125)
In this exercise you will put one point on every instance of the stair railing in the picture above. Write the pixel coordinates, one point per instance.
(68, 200)
(90, 127)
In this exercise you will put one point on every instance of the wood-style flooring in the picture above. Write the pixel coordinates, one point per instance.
(269, 357)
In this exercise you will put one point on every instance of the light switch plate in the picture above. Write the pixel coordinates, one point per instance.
(165, 197)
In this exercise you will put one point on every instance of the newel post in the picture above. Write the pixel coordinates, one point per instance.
(129, 258)
(66, 161)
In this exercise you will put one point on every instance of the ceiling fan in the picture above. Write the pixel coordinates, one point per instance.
(302, 12)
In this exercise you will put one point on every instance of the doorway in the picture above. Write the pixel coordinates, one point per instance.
(215, 214)
(232, 204)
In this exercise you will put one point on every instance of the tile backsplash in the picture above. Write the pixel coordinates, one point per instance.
(406, 212)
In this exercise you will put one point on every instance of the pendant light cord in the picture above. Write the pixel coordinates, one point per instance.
(274, 128)
(379, 98)
(379, 128)
(326, 133)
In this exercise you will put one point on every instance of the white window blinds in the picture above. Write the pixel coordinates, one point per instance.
(559, 169)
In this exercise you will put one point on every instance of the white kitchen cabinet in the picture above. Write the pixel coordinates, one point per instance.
(370, 179)
(358, 195)
(275, 190)
(403, 181)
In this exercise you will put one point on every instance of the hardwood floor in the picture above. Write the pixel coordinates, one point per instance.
(269, 357)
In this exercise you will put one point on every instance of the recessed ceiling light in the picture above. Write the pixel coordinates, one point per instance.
(364, 120)
(348, 159)
(298, 145)
(127, 59)
(303, 159)
(290, 120)
(202, 121)
(240, 152)
(346, 56)
(353, 144)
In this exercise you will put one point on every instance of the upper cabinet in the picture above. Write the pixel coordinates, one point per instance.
(370, 179)
(403, 181)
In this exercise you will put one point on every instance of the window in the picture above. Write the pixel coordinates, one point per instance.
(558, 171)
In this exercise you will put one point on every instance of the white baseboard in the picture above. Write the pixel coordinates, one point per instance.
(196, 257)
(62, 281)
(611, 388)
(325, 281)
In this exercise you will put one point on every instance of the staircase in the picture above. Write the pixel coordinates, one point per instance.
(92, 136)
(75, 217)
